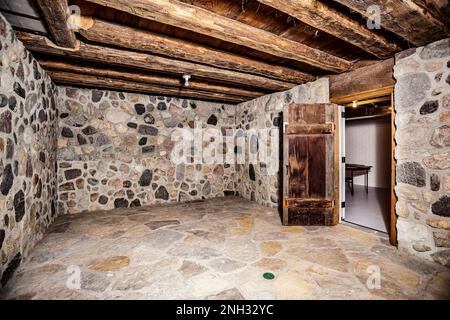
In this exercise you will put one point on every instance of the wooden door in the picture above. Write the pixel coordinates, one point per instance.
(311, 164)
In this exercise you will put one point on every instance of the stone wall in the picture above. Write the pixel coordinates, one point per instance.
(422, 103)
(114, 150)
(28, 136)
(261, 181)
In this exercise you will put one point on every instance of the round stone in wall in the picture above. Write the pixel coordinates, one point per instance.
(2, 237)
(143, 141)
(429, 107)
(435, 183)
(147, 130)
(89, 130)
(19, 205)
(96, 95)
(251, 172)
(148, 149)
(140, 108)
(7, 180)
(3, 100)
(135, 203)
(121, 203)
(212, 120)
(19, 90)
(67, 132)
(145, 178)
(72, 174)
(441, 137)
(92, 181)
(206, 190)
(149, 119)
(162, 106)
(436, 50)
(103, 199)
(411, 89)
(442, 207)
(161, 193)
(411, 173)
(5, 122)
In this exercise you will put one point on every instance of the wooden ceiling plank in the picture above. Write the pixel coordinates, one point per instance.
(188, 17)
(70, 78)
(331, 21)
(132, 38)
(56, 15)
(405, 18)
(146, 61)
(145, 77)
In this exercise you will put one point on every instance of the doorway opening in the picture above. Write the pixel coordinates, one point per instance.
(367, 161)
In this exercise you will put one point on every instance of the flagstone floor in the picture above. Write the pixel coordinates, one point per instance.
(216, 249)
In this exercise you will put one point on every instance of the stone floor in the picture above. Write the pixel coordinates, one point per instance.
(217, 249)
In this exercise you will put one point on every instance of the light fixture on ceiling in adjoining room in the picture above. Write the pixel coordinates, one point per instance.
(354, 103)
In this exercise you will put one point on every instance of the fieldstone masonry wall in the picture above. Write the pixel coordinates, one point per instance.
(106, 149)
(28, 136)
(114, 150)
(255, 181)
(422, 103)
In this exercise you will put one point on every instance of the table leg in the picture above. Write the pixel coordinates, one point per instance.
(352, 184)
(367, 182)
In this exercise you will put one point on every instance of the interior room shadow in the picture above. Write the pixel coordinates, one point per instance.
(383, 157)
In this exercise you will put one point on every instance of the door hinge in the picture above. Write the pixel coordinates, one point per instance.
(343, 114)
(343, 204)
(343, 160)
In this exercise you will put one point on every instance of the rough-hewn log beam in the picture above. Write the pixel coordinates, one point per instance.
(70, 78)
(202, 21)
(132, 38)
(145, 61)
(440, 9)
(54, 65)
(404, 18)
(374, 76)
(56, 15)
(331, 21)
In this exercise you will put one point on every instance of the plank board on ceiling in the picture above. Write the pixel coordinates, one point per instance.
(23, 14)
(25, 23)
(21, 7)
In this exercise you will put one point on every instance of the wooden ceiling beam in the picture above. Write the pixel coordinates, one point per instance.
(56, 15)
(331, 21)
(70, 78)
(188, 17)
(145, 77)
(440, 9)
(405, 18)
(150, 62)
(100, 31)
(368, 78)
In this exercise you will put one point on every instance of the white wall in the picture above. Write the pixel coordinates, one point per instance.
(368, 142)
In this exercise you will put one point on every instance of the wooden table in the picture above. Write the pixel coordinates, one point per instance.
(351, 169)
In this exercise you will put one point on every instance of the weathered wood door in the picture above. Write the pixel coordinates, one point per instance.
(311, 164)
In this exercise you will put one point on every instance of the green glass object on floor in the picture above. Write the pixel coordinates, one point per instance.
(269, 276)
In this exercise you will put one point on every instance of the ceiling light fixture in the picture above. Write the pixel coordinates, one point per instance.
(186, 78)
